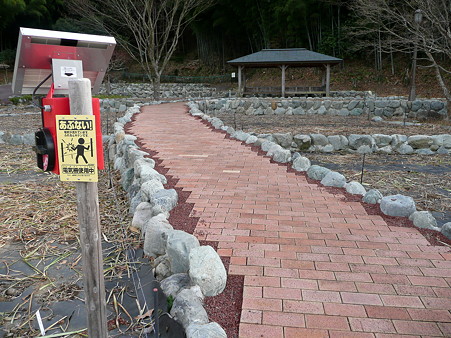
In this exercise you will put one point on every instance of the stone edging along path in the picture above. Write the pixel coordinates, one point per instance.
(188, 271)
(377, 143)
(394, 205)
(205, 118)
(143, 182)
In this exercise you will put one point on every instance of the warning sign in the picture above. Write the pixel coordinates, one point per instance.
(77, 155)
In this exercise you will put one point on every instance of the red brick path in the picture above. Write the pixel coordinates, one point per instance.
(314, 265)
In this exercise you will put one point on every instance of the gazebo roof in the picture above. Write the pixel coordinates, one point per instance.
(299, 57)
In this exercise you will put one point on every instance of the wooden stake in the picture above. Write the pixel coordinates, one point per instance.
(80, 100)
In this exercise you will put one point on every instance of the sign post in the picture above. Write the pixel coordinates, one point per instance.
(80, 101)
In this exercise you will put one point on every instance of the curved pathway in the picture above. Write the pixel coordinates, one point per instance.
(313, 264)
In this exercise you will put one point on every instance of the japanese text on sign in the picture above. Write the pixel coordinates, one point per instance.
(76, 141)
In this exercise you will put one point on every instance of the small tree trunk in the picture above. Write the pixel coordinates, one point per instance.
(442, 83)
(156, 86)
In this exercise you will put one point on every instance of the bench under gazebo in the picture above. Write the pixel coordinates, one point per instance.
(284, 58)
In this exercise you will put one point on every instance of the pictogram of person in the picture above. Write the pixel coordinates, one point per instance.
(80, 150)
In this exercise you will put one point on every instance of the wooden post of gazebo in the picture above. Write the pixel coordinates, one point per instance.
(328, 80)
(240, 90)
(283, 67)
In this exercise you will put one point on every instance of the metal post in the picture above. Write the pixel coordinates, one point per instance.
(80, 100)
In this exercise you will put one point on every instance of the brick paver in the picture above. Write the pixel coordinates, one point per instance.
(313, 264)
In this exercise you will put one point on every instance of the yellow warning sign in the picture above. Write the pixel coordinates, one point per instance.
(76, 142)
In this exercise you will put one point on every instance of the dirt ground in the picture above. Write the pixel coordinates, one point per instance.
(427, 179)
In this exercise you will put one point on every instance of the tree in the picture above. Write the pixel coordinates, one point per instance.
(394, 21)
(148, 30)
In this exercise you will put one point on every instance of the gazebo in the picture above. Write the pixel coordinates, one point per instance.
(284, 58)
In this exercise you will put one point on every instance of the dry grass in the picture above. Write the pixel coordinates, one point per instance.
(38, 222)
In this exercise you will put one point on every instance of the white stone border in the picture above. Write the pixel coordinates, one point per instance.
(176, 264)
(394, 205)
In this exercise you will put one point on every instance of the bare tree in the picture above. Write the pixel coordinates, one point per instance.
(148, 30)
(394, 20)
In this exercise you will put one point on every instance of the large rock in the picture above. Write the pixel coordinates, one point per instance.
(385, 150)
(282, 155)
(446, 230)
(319, 139)
(210, 330)
(240, 135)
(251, 139)
(364, 149)
(303, 141)
(317, 172)
(420, 141)
(355, 188)
(162, 267)
(156, 231)
(188, 307)
(443, 140)
(301, 163)
(179, 245)
(373, 196)
(142, 215)
(334, 179)
(398, 205)
(207, 271)
(266, 145)
(136, 200)
(127, 178)
(216, 123)
(405, 149)
(280, 111)
(284, 139)
(150, 187)
(424, 219)
(398, 140)
(148, 173)
(447, 141)
(166, 199)
(425, 151)
(172, 285)
(273, 149)
(139, 164)
(356, 141)
(329, 148)
(382, 140)
(339, 142)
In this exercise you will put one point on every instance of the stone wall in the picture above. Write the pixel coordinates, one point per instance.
(384, 107)
(376, 143)
(167, 90)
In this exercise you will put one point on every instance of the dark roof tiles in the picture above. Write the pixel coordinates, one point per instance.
(297, 56)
